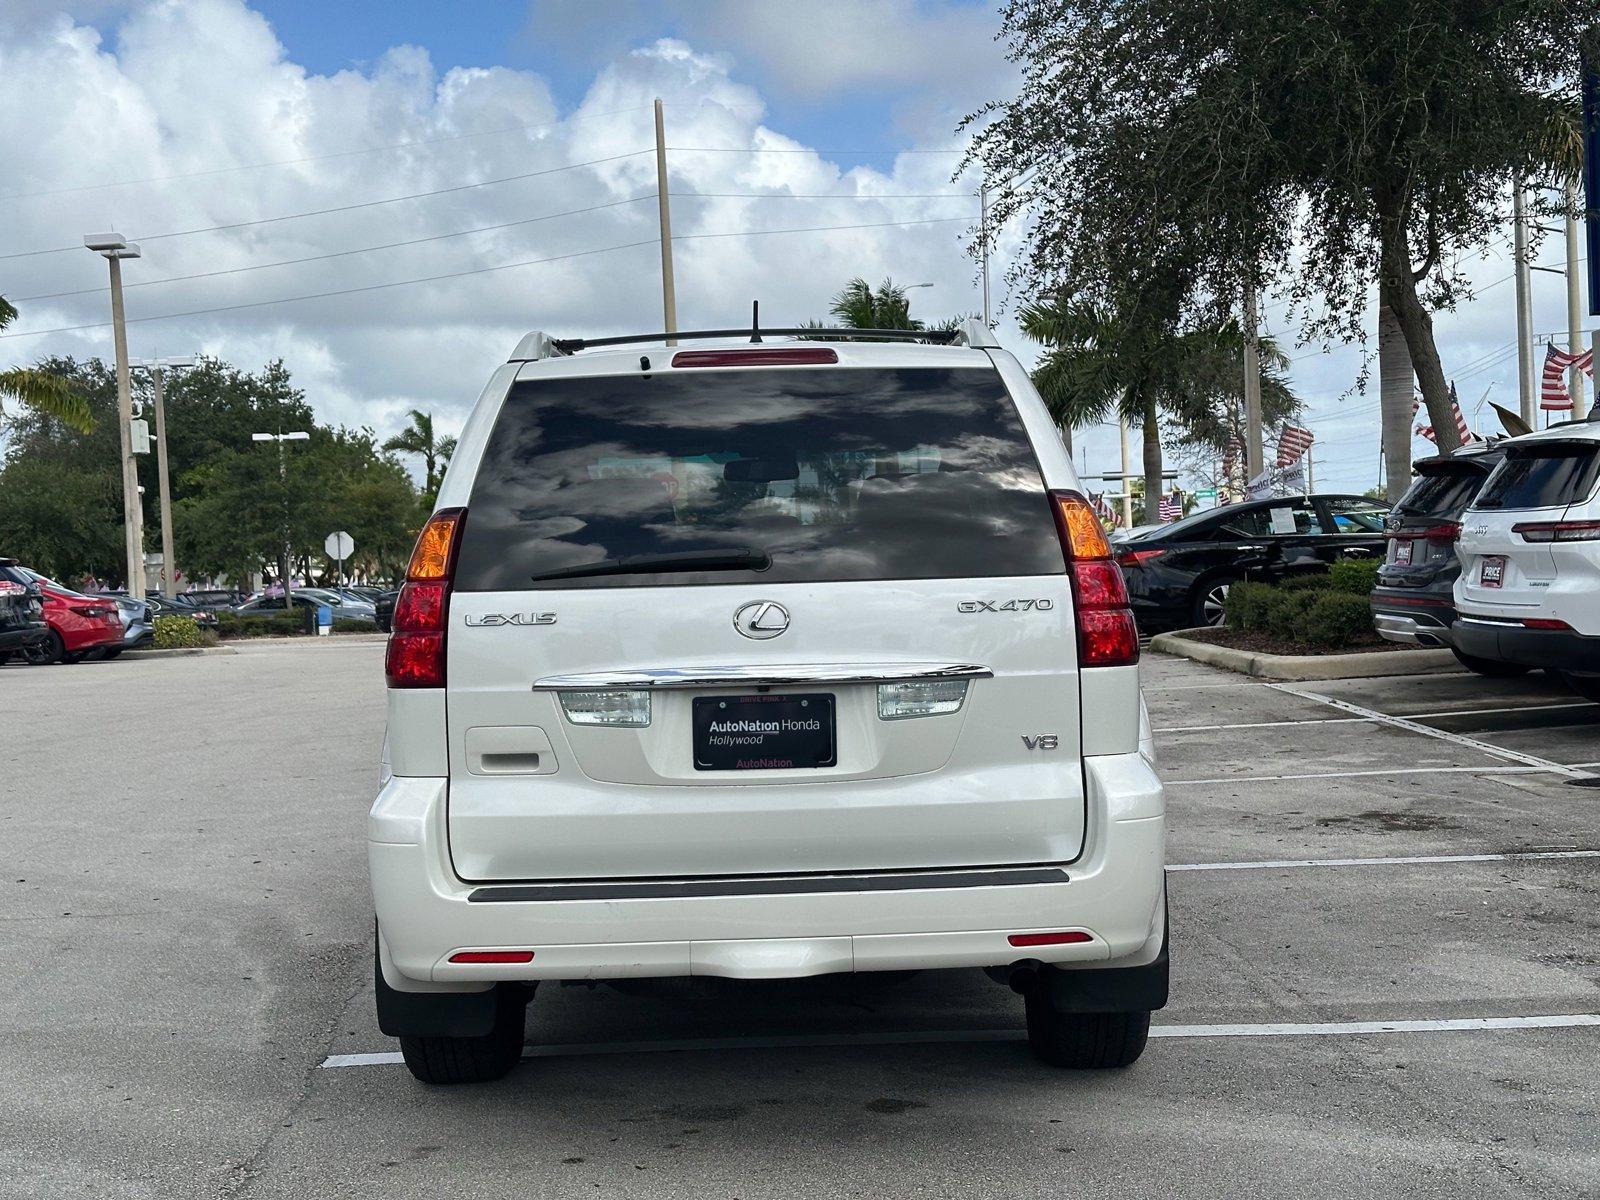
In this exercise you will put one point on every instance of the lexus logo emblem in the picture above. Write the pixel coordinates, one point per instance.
(761, 619)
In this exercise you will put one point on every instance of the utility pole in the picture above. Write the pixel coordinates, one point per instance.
(669, 296)
(280, 437)
(1255, 458)
(983, 241)
(113, 247)
(1519, 244)
(1580, 406)
(157, 369)
(1127, 483)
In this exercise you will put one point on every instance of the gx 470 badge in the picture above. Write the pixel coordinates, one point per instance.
(972, 606)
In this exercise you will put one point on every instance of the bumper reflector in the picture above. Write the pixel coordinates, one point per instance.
(492, 956)
(1070, 937)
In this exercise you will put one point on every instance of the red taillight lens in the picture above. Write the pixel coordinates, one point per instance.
(1069, 937)
(1447, 534)
(1137, 558)
(492, 956)
(1544, 623)
(1107, 633)
(757, 356)
(415, 657)
(1558, 531)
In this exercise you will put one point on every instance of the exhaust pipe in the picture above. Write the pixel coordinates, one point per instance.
(1023, 977)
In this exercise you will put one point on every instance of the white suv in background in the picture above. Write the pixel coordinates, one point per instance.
(763, 661)
(1529, 589)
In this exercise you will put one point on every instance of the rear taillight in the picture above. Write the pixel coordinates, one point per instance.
(1129, 558)
(1107, 635)
(415, 656)
(1558, 531)
(760, 356)
(1544, 623)
(1446, 534)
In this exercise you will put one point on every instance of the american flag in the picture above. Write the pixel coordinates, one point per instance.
(1171, 507)
(1553, 393)
(1293, 442)
(1103, 509)
(1466, 435)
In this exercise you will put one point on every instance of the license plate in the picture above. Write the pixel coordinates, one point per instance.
(763, 733)
(1493, 572)
(1402, 554)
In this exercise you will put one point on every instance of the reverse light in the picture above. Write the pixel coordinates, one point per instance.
(1107, 634)
(1558, 531)
(492, 956)
(1068, 937)
(624, 708)
(415, 657)
(920, 698)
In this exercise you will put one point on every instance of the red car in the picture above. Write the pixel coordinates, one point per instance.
(79, 625)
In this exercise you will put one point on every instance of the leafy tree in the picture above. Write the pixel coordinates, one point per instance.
(419, 438)
(40, 390)
(1325, 147)
(1101, 365)
(858, 306)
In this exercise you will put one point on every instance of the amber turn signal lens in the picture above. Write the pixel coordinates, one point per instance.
(1081, 532)
(434, 554)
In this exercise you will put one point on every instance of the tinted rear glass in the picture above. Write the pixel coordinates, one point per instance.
(1548, 476)
(835, 474)
(1442, 491)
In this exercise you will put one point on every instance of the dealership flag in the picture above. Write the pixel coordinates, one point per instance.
(1171, 507)
(1466, 435)
(1553, 393)
(1292, 445)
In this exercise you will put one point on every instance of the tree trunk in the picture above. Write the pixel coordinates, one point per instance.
(1152, 460)
(1066, 437)
(1396, 392)
(1416, 323)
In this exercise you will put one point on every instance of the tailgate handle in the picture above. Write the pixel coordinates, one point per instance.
(509, 750)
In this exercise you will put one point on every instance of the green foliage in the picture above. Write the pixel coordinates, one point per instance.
(1333, 620)
(47, 394)
(419, 438)
(1311, 581)
(858, 306)
(1354, 576)
(250, 625)
(172, 633)
(1247, 604)
(1326, 612)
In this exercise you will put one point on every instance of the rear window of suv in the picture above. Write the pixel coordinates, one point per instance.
(843, 474)
(1548, 475)
(1441, 492)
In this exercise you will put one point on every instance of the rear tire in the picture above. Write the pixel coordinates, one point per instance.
(51, 650)
(1084, 1041)
(1207, 606)
(444, 1061)
(1587, 686)
(1491, 668)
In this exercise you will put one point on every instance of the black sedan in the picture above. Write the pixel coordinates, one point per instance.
(1178, 576)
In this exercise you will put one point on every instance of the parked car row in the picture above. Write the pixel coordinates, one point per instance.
(1495, 553)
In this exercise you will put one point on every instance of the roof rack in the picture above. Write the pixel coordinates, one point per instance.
(971, 332)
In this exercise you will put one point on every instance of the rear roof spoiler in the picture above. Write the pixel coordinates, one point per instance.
(971, 333)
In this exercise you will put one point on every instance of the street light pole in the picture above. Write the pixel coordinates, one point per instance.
(298, 435)
(113, 247)
(669, 291)
(157, 369)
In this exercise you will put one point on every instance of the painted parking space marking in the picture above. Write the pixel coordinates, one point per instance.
(1398, 861)
(1456, 739)
(939, 1036)
(1553, 768)
(1440, 715)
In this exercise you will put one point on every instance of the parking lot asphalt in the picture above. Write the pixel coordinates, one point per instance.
(1385, 907)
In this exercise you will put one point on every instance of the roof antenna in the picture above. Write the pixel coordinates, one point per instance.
(755, 320)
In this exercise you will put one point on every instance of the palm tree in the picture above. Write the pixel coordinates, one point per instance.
(1098, 366)
(418, 438)
(40, 390)
(859, 307)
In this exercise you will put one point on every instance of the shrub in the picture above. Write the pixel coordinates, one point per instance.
(355, 627)
(173, 633)
(1285, 615)
(1311, 581)
(1354, 576)
(235, 625)
(1333, 619)
(1247, 605)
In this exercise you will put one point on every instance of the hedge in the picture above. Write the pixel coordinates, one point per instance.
(1326, 611)
(172, 633)
(235, 625)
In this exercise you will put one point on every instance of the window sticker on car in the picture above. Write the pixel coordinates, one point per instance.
(1283, 520)
(1493, 572)
(1402, 553)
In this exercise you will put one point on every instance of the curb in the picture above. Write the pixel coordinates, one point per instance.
(1303, 668)
(179, 652)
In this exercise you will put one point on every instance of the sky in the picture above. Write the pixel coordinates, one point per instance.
(508, 143)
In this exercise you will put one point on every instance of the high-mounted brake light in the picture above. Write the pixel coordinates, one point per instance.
(1558, 531)
(1107, 634)
(415, 655)
(757, 356)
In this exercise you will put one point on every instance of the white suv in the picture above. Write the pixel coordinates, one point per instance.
(1529, 589)
(763, 661)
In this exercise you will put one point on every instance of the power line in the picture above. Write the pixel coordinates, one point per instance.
(373, 287)
(317, 212)
(802, 150)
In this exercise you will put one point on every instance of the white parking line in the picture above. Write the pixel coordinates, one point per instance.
(1553, 767)
(1457, 739)
(1409, 860)
(1422, 716)
(931, 1037)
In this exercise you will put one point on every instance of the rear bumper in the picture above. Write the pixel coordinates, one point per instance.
(26, 637)
(1555, 649)
(1413, 618)
(1114, 893)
